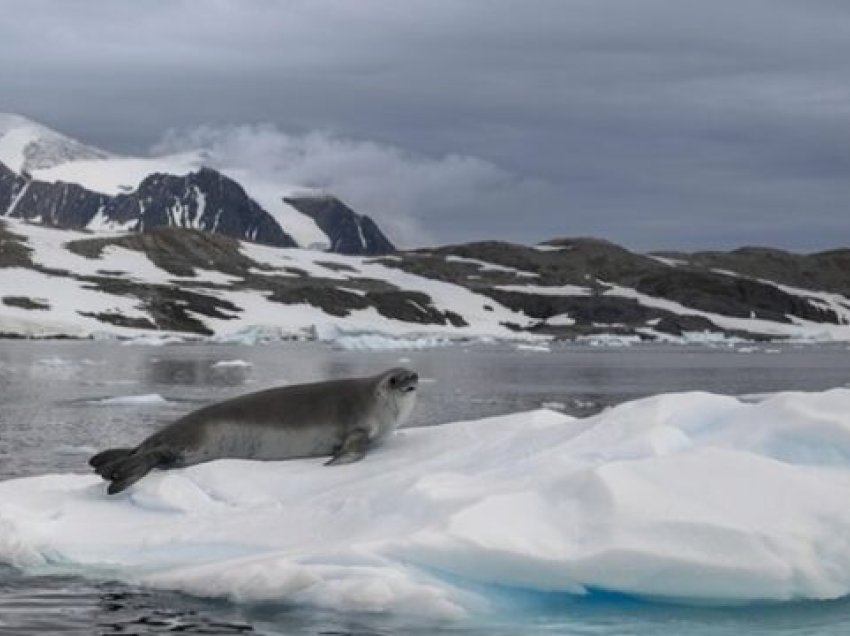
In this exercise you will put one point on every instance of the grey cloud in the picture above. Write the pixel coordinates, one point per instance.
(659, 123)
(401, 190)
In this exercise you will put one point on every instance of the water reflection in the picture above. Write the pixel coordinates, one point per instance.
(193, 372)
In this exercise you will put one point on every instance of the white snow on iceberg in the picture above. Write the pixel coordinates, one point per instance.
(686, 497)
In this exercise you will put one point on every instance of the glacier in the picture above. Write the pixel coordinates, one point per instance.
(689, 498)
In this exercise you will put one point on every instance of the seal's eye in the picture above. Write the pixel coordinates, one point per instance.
(393, 381)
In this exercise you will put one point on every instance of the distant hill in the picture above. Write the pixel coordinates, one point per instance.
(179, 280)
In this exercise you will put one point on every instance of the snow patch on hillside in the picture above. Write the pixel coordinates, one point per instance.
(120, 175)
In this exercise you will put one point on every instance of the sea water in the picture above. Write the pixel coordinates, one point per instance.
(60, 401)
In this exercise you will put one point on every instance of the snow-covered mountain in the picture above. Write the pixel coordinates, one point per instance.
(27, 146)
(49, 178)
(173, 245)
(170, 280)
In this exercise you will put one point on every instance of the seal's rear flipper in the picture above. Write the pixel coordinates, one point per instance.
(123, 469)
(103, 459)
(353, 448)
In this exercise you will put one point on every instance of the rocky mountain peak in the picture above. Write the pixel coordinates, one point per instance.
(49, 178)
(349, 232)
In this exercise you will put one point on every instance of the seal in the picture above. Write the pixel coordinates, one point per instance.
(341, 418)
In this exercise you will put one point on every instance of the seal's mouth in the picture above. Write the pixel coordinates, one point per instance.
(406, 383)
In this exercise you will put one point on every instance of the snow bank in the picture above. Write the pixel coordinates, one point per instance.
(686, 497)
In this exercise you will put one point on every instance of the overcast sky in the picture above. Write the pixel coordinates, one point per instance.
(653, 123)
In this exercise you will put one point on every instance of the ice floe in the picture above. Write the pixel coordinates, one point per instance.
(687, 498)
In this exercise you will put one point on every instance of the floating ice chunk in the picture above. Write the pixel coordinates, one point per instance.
(231, 364)
(687, 497)
(132, 400)
(555, 406)
(609, 340)
(155, 340)
(561, 320)
(583, 404)
(539, 348)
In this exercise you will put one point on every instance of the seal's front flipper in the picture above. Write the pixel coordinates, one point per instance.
(353, 448)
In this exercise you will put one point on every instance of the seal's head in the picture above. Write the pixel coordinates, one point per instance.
(400, 380)
(399, 385)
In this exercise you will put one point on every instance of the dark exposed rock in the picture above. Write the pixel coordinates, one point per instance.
(58, 204)
(731, 296)
(592, 263)
(434, 265)
(579, 261)
(410, 307)
(825, 271)
(336, 302)
(10, 185)
(407, 306)
(204, 200)
(349, 232)
(677, 325)
(14, 252)
(178, 251)
(169, 307)
(336, 267)
(25, 302)
(121, 320)
(455, 319)
(583, 309)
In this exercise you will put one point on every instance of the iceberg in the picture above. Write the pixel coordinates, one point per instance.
(683, 498)
(374, 340)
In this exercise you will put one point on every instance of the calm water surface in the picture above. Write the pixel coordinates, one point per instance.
(51, 420)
